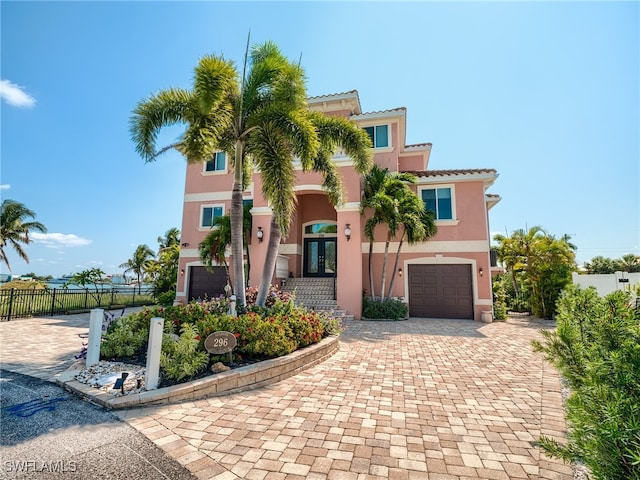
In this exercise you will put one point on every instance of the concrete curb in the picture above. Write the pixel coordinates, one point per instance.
(232, 381)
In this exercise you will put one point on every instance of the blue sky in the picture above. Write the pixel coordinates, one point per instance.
(547, 93)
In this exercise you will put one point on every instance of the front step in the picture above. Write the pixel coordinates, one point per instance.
(315, 294)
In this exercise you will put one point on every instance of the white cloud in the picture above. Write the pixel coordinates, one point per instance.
(59, 240)
(15, 95)
(5, 186)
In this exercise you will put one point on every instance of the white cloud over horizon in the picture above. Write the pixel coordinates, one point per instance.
(15, 95)
(60, 240)
(5, 186)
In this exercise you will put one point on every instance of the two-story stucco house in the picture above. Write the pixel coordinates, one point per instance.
(448, 276)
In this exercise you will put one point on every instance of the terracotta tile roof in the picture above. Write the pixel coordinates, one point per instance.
(492, 195)
(381, 111)
(332, 95)
(445, 173)
(429, 144)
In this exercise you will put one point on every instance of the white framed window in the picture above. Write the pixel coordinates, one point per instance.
(440, 200)
(379, 135)
(208, 214)
(218, 163)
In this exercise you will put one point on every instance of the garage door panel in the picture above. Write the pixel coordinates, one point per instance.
(442, 291)
(206, 284)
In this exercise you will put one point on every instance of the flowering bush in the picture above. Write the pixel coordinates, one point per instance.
(274, 294)
(262, 332)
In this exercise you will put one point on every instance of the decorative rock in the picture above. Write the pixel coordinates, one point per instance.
(219, 367)
(103, 376)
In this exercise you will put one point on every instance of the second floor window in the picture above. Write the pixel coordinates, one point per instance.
(439, 201)
(217, 164)
(379, 135)
(209, 214)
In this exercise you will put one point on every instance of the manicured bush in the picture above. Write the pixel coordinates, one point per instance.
(596, 346)
(125, 337)
(390, 308)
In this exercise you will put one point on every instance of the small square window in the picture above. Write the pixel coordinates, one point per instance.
(209, 214)
(217, 164)
(379, 135)
(439, 201)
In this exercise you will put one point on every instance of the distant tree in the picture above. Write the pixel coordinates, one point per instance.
(15, 229)
(601, 265)
(138, 262)
(89, 278)
(630, 263)
(41, 278)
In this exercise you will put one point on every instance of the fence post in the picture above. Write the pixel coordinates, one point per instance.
(133, 299)
(10, 305)
(152, 373)
(53, 301)
(95, 336)
(86, 297)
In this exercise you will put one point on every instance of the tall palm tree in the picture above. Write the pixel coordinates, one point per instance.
(278, 173)
(418, 224)
(14, 229)
(380, 190)
(137, 263)
(243, 115)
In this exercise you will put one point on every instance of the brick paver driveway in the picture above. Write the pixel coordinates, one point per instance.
(420, 399)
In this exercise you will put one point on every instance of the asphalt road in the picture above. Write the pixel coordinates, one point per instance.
(48, 433)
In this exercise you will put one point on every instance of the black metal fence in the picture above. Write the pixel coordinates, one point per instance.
(20, 303)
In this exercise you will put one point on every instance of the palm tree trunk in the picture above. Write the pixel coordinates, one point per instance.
(395, 266)
(384, 269)
(269, 262)
(236, 229)
(373, 293)
(246, 246)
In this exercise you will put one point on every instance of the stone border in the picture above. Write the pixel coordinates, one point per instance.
(236, 380)
(365, 319)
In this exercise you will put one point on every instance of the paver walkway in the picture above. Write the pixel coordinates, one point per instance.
(421, 399)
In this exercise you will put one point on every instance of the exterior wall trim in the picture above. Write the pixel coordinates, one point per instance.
(432, 246)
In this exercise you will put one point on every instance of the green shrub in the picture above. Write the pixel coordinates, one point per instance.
(596, 346)
(183, 358)
(390, 308)
(166, 298)
(125, 337)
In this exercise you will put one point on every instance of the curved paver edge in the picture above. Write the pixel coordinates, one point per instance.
(232, 381)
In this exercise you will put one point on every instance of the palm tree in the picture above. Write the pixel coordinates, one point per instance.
(14, 229)
(418, 225)
(243, 115)
(275, 160)
(380, 190)
(214, 246)
(171, 237)
(630, 263)
(137, 263)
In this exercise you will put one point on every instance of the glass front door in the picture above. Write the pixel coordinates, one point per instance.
(320, 255)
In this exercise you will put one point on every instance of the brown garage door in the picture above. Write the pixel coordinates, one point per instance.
(440, 291)
(205, 284)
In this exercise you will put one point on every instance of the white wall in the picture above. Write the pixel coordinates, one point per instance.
(606, 284)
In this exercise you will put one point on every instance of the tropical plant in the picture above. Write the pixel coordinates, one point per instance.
(214, 246)
(602, 265)
(162, 271)
(596, 347)
(15, 229)
(418, 225)
(138, 262)
(170, 238)
(91, 277)
(390, 202)
(539, 263)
